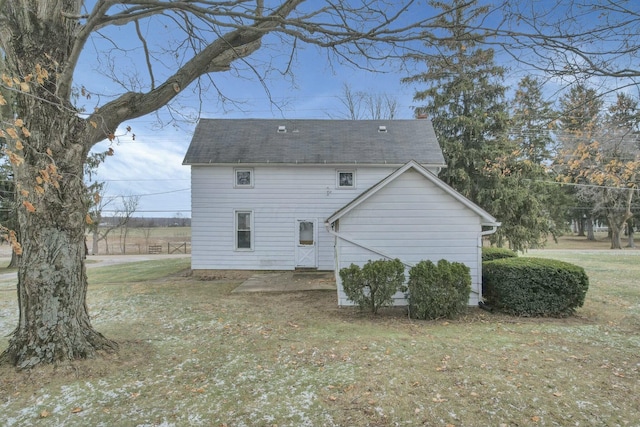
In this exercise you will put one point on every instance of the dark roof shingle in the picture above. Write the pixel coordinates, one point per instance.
(223, 141)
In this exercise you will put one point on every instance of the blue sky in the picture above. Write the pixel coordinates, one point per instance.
(151, 165)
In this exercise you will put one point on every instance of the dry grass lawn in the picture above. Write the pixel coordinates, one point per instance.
(192, 353)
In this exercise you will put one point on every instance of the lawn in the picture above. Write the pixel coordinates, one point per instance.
(193, 353)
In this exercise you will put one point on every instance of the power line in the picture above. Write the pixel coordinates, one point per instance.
(575, 184)
(149, 210)
(140, 180)
(147, 194)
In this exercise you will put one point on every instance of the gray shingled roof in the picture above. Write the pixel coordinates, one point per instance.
(313, 142)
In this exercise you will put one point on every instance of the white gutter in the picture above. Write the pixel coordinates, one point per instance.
(493, 229)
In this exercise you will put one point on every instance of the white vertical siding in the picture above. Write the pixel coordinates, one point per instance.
(280, 195)
(414, 220)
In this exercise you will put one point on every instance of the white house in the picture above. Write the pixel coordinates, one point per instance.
(322, 194)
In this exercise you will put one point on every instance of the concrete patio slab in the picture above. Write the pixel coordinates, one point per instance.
(288, 281)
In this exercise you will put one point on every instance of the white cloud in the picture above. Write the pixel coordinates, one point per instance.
(151, 166)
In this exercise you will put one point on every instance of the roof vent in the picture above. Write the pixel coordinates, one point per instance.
(282, 129)
(382, 128)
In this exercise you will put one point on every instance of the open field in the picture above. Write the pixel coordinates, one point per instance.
(138, 240)
(581, 243)
(192, 353)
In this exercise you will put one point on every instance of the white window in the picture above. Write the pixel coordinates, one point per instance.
(244, 230)
(243, 178)
(346, 179)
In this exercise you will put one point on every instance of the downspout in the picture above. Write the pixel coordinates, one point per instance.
(493, 229)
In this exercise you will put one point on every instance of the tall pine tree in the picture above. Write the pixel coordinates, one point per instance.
(532, 120)
(522, 187)
(464, 97)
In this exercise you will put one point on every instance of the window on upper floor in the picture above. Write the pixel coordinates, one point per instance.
(243, 178)
(345, 179)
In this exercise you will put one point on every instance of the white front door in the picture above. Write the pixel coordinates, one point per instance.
(306, 243)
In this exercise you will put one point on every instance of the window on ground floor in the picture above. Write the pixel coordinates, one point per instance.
(244, 230)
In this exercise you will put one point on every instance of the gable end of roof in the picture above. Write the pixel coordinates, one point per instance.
(487, 219)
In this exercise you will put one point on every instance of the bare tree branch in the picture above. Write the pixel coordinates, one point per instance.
(146, 54)
(215, 57)
(313, 27)
(580, 37)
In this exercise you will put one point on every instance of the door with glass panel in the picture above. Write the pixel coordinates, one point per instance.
(306, 243)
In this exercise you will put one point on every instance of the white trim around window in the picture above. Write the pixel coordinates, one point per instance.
(345, 178)
(243, 230)
(243, 177)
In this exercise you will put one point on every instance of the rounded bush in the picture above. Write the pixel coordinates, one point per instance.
(490, 254)
(534, 286)
(374, 285)
(437, 291)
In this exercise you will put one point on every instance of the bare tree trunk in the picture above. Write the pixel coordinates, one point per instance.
(95, 248)
(581, 226)
(616, 233)
(15, 260)
(53, 322)
(616, 224)
(630, 230)
(52, 282)
(589, 226)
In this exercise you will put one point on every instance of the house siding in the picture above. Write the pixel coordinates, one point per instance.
(279, 196)
(411, 219)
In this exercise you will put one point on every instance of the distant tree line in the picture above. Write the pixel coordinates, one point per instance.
(142, 222)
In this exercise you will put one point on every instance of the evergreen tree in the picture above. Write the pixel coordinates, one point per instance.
(532, 121)
(522, 188)
(465, 99)
(579, 113)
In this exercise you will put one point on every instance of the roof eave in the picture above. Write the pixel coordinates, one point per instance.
(350, 164)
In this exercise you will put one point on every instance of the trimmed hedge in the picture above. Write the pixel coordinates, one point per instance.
(490, 254)
(374, 285)
(534, 286)
(437, 291)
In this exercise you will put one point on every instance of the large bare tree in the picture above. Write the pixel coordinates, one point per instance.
(50, 137)
(178, 43)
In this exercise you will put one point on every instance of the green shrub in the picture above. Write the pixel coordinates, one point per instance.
(374, 285)
(534, 286)
(490, 254)
(436, 291)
